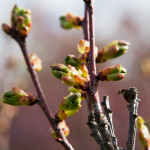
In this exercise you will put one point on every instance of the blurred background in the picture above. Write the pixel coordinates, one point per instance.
(26, 127)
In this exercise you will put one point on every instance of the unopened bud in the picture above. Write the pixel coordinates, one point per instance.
(112, 50)
(69, 106)
(69, 80)
(112, 73)
(84, 70)
(18, 97)
(21, 20)
(72, 60)
(83, 46)
(71, 21)
(59, 70)
(36, 62)
(64, 128)
(6, 29)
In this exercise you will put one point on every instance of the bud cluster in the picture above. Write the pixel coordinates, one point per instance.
(20, 22)
(70, 75)
(35, 62)
(71, 21)
(18, 97)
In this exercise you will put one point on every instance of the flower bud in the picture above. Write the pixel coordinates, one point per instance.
(69, 106)
(144, 134)
(84, 70)
(64, 128)
(6, 29)
(69, 80)
(72, 60)
(112, 50)
(112, 73)
(21, 20)
(65, 24)
(36, 62)
(83, 46)
(18, 97)
(59, 70)
(71, 21)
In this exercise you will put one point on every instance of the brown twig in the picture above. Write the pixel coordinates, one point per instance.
(41, 98)
(131, 96)
(108, 114)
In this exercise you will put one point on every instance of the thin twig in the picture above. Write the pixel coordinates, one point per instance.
(42, 101)
(108, 114)
(131, 96)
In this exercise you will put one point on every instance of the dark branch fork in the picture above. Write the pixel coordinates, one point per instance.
(131, 96)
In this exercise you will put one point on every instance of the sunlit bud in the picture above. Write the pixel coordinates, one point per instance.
(21, 20)
(6, 29)
(112, 50)
(36, 62)
(71, 21)
(61, 115)
(64, 128)
(112, 73)
(69, 81)
(83, 46)
(70, 104)
(84, 70)
(144, 135)
(18, 97)
(65, 24)
(79, 79)
(72, 60)
(60, 67)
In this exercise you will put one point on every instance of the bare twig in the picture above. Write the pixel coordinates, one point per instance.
(131, 96)
(85, 24)
(108, 114)
(41, 97)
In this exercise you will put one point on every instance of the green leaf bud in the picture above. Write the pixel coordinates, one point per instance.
(71, 21)
(21, 20)
(65, 24)
(73, 61)
(69, 105)
(60, 67)
(112, 50)
(112, 73)
(18, 97)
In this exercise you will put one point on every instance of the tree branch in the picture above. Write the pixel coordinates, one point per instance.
(108, 114)
(41, 98)
(100, 118)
